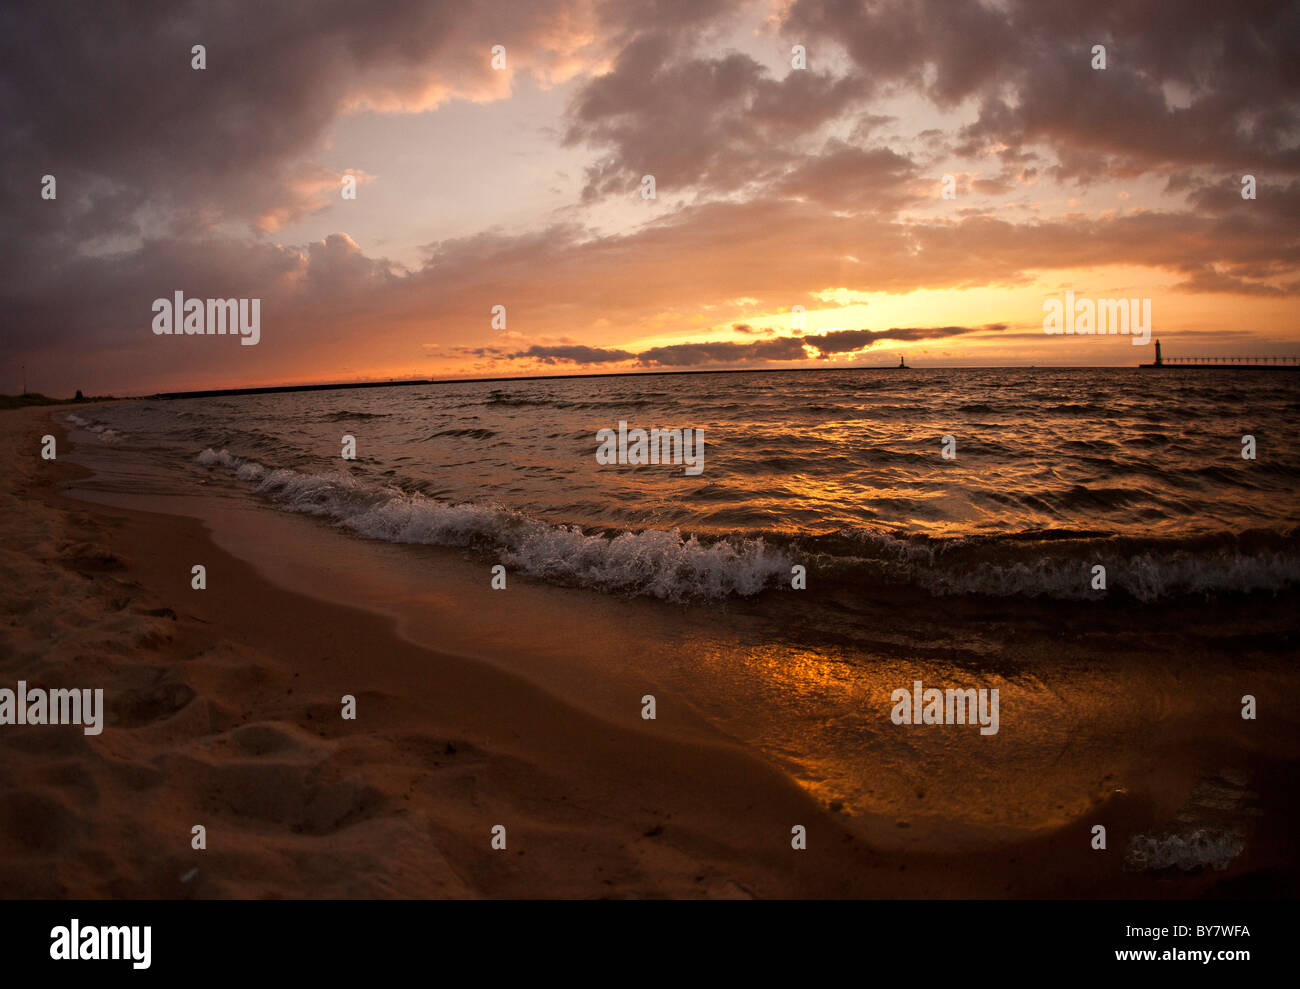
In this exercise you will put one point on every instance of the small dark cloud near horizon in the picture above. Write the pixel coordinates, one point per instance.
(828, 343)
(572, 355)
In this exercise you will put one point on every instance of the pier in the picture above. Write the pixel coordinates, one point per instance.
(1254, 363)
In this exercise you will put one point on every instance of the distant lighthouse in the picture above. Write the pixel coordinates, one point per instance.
(1159, 361)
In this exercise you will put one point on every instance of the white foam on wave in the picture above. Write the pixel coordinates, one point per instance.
(102, 430)
(660, 563)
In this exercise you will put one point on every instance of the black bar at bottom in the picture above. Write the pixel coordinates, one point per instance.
(623, 939)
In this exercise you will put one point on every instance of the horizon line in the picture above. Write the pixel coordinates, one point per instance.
(407, 382)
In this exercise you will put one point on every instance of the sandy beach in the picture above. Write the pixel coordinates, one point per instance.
(223, 710)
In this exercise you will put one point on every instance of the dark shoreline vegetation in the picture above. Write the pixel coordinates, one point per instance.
(36, 398)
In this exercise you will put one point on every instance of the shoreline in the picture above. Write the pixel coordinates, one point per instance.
(223, 709)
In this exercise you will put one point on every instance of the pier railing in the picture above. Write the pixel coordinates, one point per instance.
(1230, 360)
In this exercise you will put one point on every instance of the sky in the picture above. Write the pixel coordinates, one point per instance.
(834, 184)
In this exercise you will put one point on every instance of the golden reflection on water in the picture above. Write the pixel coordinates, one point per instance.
(1061, 750)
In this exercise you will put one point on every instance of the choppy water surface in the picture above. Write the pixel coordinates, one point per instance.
(840, 470)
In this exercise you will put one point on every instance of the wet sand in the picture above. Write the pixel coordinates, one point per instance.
(224, 711)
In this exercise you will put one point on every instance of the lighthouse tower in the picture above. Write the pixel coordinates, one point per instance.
(1159, 361)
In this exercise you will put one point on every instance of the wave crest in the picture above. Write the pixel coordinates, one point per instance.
(660, 563)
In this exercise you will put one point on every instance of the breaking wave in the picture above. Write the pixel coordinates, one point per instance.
(668, 564)
(663, 564)
(100, 429)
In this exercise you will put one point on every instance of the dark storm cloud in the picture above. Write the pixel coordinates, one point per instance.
(1203, 86)
(327, 280)
(1027, 64)
(103, 96)
(698, 122)
(107, 92)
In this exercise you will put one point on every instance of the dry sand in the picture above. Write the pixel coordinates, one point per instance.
(224, 711)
